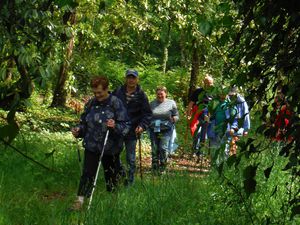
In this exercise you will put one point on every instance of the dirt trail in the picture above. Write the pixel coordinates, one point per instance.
(180, 162)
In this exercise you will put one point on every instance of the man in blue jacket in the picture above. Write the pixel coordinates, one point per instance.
(140, 114)
(242, 115)
(240, 124)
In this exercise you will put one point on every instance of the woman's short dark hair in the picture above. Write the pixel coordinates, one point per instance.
(99, 80)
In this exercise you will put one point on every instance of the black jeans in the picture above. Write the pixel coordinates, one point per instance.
(90, 165)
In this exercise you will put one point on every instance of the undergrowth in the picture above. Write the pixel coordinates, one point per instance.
(31, 194)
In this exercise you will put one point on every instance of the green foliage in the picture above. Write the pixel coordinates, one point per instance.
(28, 30)
(259, 183)
(253, 44)
(62, 3)
(263, 60)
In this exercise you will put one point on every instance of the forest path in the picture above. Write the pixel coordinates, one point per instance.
(179, 162)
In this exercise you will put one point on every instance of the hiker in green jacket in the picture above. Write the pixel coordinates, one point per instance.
(218, 126)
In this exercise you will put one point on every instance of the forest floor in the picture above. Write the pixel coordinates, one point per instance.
(183, 163)
(178, 162)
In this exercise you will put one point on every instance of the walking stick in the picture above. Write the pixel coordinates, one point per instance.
(140, 155)
(186, 132)
(98, 168)
(78, 151)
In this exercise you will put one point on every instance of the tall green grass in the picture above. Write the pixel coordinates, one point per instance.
(30, 194)
(177, 199)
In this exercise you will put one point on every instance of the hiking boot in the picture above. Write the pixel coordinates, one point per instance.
(77, 206)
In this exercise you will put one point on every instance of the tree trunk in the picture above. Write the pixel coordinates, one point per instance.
(195, 68)
(10, 66)
(166, 44)
(183, 58)
(165, 59)
(60, 93)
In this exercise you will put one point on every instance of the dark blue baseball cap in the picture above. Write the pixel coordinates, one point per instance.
(132, 72)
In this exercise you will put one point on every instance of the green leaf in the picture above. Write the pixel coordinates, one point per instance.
(227, 21)
(220, 168)
(213, 105)
(65, 125)
(205, 27)
(223, 7)
(3, 73)
(62, 3)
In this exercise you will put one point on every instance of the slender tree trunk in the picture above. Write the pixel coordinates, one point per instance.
(167, 43)
(195, 68)
(60, 93)
(10, 66)
(2, 4)
(165, 59)
(25, 83)
(182, 49)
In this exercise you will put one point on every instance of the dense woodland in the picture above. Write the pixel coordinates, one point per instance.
(51, 48)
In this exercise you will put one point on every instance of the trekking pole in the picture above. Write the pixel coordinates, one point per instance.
(78, 151)
(204, 141)
(186, 132)
(98, 168)
(140, 155)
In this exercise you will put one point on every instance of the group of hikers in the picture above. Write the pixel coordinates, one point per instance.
(115, 119)
(222, 123)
